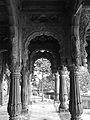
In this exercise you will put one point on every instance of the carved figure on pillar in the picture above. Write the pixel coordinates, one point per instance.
(75, 104)
(63, 89)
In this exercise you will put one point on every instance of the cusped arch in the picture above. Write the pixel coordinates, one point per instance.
(40, 33)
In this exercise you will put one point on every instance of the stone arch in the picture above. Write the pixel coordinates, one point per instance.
(53, 62)
(40, 33)
(47, 33)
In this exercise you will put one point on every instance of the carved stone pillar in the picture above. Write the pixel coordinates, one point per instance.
(57, 85)
(29, 90)
(63, 90)
(24, 90)
(1, 90)
(1, 80)
(14, 104)
(75, 104)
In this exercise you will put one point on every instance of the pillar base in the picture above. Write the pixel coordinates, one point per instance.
(25, 115)
(63, 109)
(64, 106)
(76, 118)
(24, 109)
(14, 118)
(21, 117)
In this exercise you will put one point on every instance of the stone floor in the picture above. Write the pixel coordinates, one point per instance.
(44, 111)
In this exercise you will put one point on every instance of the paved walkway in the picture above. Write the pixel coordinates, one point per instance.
(38, 111)
(43, 111)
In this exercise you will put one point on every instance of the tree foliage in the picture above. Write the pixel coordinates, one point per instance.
(42, 71)
(84, 79)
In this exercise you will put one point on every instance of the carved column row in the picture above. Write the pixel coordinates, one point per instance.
(75, 103)
(18, 95)
(61, 88)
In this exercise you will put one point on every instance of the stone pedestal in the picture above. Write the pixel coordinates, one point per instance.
(63, 90)
(14, 104)
(75, 104)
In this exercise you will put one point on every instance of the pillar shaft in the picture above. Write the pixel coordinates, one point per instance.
(1, 80)
(24, 91)
(14, 104)
(55, 87)
(75, 104)
(58, 85)
(29, 89)
(1, 91)
(63, 89)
